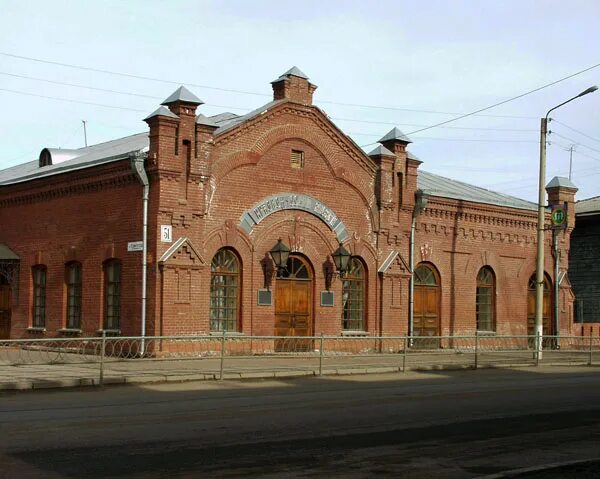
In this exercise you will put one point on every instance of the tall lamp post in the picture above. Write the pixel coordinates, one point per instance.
(539, 278)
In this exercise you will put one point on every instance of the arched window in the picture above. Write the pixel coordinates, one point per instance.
(224, 291)
(353, 297)
(38, 312)
(73, 283)
(484, 300)
(112, 294)
(424, 276)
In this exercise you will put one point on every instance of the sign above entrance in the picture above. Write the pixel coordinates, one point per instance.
(293, 201)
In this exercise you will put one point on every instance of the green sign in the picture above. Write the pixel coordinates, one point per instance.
(558, 216)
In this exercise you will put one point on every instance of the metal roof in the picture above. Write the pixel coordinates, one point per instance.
(589, 206)
(560, 182)
(435, 185)
(294, 71)
(236, 120)
(86, 157)
(204, 120)
(6, 253)
(381, 151)
(184, 95)
(395, 134)
(161, 111)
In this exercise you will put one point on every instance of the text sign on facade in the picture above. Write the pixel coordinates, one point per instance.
(293, 201)
(166, 234)
(135, 246)
(558, 216)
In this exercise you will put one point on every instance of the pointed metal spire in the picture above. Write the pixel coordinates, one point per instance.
(161, 111)
(381, 151)
(395, 134)
(184, 95)
(294, 71)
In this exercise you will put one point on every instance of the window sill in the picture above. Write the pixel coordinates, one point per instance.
(227, 333)
(69, 331)
(36, 329)
(350, 332)
(109, 332)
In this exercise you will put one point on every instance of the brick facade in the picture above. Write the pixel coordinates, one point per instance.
(204, 178)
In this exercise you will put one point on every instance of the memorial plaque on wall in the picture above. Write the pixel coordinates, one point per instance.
(265, 297)
(327, 298)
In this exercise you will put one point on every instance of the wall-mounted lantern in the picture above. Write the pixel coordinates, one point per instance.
(280, 254)
(341, 257)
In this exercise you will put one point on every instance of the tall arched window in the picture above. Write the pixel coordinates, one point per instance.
(112, 294)
(484, 300)
(353, 297)
(224, 291)
(39, 296)
(73, 283)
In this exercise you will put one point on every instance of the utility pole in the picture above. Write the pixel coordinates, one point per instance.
(85, 135)
(571, 160)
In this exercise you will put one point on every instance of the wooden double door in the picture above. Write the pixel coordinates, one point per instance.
(293, 306)
(547, 316)
(426, 315)
(5, 297)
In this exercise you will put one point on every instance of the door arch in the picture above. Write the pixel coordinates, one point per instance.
(426, 316)
(5, 307)
(547, 329)
(293, 304)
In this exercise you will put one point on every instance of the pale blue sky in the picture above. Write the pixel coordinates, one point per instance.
(443, 56)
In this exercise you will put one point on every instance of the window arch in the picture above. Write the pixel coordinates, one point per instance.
(353, 296)
(425, 275)
(112, 294)
(73, 284)
(485, 304)
(224, 291)
(38, 312)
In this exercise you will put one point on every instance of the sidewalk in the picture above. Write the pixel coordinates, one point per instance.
(138, 371)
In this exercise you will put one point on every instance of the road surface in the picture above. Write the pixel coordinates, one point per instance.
(461, 424)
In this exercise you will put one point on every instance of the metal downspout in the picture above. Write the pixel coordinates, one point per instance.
(137, 165)
(411, 289)
(556, 290)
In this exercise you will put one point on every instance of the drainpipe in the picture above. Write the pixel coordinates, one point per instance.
(556, 287)
(420, 203)
(137, 165)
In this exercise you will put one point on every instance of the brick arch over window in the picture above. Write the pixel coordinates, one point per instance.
(485, 300)
(225, 291)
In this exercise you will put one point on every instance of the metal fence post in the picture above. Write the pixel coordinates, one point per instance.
(222, 356)
(591, 345)
(476, 349)
(103, 347)
(321, 346)
(404, 354)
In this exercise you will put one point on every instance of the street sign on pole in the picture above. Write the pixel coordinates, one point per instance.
(558, 216)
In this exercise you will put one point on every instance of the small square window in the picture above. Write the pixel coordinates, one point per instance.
(297, 159)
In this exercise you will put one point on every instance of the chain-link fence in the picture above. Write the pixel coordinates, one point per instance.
(227, 355)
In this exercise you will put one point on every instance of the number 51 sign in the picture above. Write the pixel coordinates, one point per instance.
(558, 216)
(166, 234)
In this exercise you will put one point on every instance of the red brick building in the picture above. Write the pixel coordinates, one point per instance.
(220, 192)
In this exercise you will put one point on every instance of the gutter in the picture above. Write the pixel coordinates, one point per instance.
(420, 203)
(137, 165)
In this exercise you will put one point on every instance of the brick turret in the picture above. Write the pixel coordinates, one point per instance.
(294, 85)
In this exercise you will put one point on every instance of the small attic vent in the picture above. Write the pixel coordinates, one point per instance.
(54, 156)
(45, 158)
(297, 159)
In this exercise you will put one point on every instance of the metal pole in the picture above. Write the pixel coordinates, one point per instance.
(84, 132)
(222, 356)
(539, 277)
(101, 378)
(476, 349)
(538, 340)
(591, 344)
(411, 287)
(571, 161)
(556, 290)
(321, 356)
(404, 354)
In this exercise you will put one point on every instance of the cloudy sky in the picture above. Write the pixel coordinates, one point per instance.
(378, 64)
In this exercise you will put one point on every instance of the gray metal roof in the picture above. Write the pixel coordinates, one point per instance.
(560, 182)
(224, 117)
(589, 206)
(86, 157)
(161, 111)
(294, 71)
(435, 185)
(6, 253)
(395, 134)
(204, 120)
(233, 121)
(184, 95)
(381, 151)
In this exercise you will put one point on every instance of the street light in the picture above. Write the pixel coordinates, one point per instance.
(539, 278)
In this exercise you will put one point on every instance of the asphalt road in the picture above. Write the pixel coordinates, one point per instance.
(430, 425)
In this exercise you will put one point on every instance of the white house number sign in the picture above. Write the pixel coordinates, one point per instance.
(166, 234)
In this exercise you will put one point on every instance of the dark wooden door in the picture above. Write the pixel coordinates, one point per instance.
(426, 317)
(4, 311)
(293, 309)
(547, 329)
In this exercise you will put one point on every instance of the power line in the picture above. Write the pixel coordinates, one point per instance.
(449, 127)
(576, 131)
(508, 100)
(576, 142)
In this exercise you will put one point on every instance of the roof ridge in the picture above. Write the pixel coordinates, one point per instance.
(109, 141)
